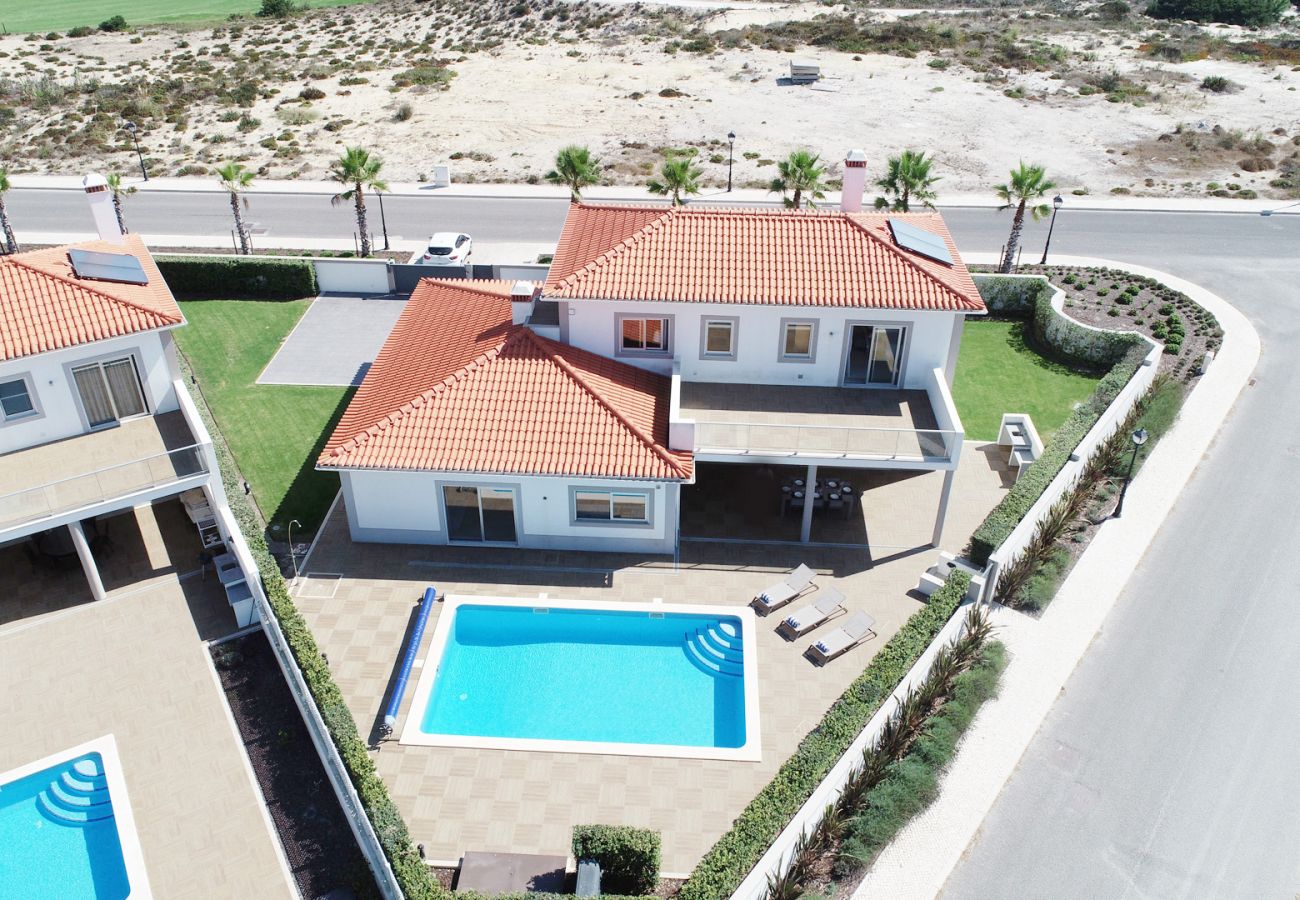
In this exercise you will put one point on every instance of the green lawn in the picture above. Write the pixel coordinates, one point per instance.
(275, 431)
(997, 373)
(60, 15)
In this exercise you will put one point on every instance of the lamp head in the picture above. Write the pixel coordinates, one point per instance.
(1057, 202)
(1140, 437)
(731, 135)
(129, 126)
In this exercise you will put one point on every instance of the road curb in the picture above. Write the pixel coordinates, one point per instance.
(1045, 652)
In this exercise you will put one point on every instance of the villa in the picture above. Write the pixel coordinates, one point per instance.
(667, 347)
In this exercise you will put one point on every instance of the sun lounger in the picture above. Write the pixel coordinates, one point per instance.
(785, 590)
(842, 639)
(829, 602)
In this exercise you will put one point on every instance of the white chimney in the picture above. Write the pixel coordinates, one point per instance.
(855, 181)
(522, 297)
(101, 207)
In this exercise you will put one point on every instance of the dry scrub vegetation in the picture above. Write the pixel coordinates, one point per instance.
(1110, 100)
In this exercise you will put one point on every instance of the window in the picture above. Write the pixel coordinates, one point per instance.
(611, 506)
(643, 335)
(16, 400)
(718, 338)
(109, 391)
(798, 340)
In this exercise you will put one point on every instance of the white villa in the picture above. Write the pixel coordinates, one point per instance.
(94, 420)
(571, 414)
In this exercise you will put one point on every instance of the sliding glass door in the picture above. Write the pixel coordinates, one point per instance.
(109, 391)
(479, 514)
(874, 356)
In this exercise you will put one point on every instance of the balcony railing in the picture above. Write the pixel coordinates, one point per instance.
(849, 442)
(98, 486)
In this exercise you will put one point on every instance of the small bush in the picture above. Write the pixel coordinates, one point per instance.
(403, 113)
(311, 93)
(80, 31)
(628, 857)
(290, 115)
(1043, 584)
(116, 23)
(429, 76)
(277, 9)
(1216, 84)
(206, 277)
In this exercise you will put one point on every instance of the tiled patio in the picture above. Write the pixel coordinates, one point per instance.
(135, 666)
(359, 600)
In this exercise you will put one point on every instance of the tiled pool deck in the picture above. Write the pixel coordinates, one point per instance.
(359, 599)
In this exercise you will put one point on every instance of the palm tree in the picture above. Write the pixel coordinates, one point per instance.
(358, 168)
(677, 176)
(11, 242)
(119, 191)
(1027, 183)
(234, 180)
(801, 173)
(575, 168)
(907, 179)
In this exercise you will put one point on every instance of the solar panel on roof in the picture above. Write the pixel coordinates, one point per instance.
(100, 266)
(918, 240)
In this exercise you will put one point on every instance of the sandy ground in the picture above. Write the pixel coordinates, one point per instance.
(509, 108)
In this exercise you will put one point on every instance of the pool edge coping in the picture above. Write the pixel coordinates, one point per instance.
(750, 751)
(128, 836)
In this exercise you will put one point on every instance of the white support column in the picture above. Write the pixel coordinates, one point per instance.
(809, 487)
(943, 507)
(87, 560)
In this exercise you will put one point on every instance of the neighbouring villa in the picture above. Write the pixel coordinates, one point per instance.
(119, 556)
(667, 347)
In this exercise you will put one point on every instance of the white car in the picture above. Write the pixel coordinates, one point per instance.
(447, 248)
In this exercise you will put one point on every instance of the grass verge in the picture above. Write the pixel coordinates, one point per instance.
(64, 14)
(275, 431)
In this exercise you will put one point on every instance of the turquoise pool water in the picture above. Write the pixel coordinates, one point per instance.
(58, 836)
(590, 675)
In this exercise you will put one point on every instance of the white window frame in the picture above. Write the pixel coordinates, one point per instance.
(732, 323)
(811, 355)
(30, 387)
(610, 494)
(620, 350)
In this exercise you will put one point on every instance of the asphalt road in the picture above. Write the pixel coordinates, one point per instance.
(1168, 768)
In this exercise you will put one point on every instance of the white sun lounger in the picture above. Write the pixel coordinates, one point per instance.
(785, 590)
(829, 602)
(842, 639)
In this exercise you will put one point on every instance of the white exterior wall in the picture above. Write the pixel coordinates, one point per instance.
(56, 397)
(591, 325)
(406, 508)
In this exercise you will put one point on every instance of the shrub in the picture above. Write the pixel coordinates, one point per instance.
(80, 31)
(1216, 84)
(628, 857)
(1042, 585)
(207, 277)
(116, 23)
(311, 93)
(727, 863)
(403, 113)
(430, 76)
(1255, 13)
(277, 9)
(296, 115)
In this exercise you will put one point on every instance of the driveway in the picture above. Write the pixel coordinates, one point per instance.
(335, 342)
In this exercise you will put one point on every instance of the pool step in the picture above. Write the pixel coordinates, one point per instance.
(716, 649)
(79, 795)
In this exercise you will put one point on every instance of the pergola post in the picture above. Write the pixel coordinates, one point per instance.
(809, 487)
(943, 507)
(87, 560)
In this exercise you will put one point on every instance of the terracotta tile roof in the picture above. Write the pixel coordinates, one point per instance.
(45, 306)
(754, 256)
(458, 388)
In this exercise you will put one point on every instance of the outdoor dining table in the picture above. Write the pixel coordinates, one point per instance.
(825, 493)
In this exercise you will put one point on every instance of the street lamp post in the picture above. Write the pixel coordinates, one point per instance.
(293, 556)
(731, 156)
(135, 136)
(383, 221)
(1139, 438)
(1057, 203)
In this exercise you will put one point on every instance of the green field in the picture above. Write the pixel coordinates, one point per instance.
(274, 431)
(60, 15)
(997, 373)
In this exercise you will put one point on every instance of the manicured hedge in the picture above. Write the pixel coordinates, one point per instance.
(628, 857)
(412, 874)
(1004, 517)
(739, 850)
(247, 277)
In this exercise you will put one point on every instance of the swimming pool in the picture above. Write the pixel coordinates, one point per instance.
(646, 679)
(62, 823)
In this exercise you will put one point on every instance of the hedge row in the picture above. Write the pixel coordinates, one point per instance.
(1004, 517)
(412, 874)
(727, 863)
(246, 277)
(628, 857)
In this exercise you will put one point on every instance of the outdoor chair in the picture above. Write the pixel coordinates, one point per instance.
(842, 639)
(784, 591)
(829, 602)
